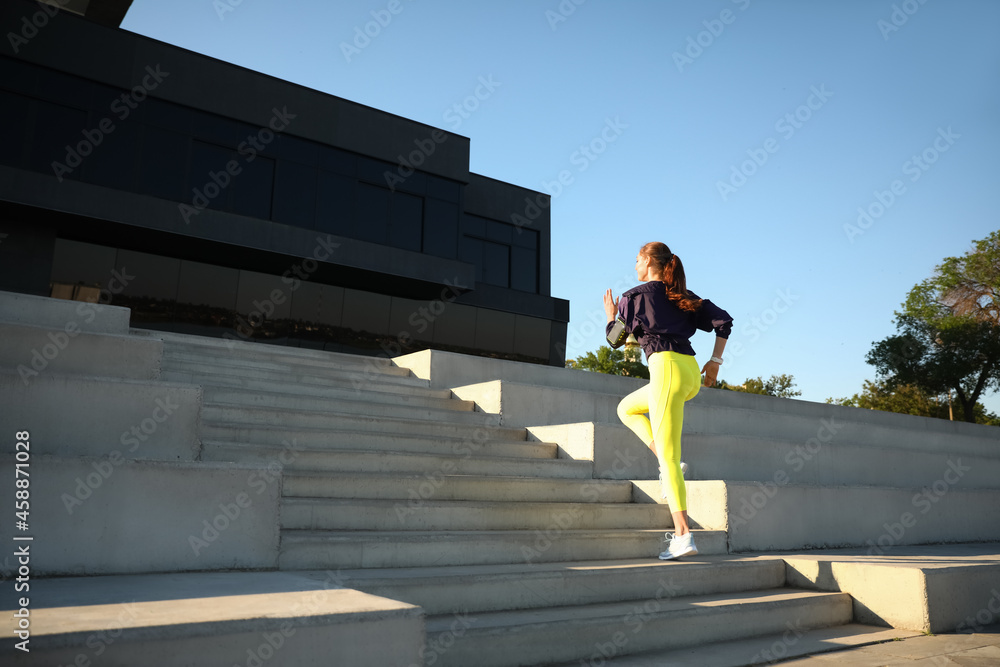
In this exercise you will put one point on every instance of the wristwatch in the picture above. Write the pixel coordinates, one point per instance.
(716, 360)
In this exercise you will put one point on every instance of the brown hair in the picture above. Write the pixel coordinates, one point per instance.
(672, 274)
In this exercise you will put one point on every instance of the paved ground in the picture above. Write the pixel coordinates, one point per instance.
(980, 649)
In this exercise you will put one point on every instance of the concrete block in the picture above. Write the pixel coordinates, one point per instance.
(615, 451)
(70, 415)
(40, 311)
(939, 588)
(708, 506)
(486, 588)
(210, 619)
(32, 351)
(450, 369)
(554, 635)
(767, 517)
(715, 411)
(102, 516)
(523, 404)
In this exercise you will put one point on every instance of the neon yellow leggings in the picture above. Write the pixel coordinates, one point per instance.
(674, 378)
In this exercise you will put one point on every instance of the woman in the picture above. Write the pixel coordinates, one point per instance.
(663, 315)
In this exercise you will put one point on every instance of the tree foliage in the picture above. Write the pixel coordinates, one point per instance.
(611, 362)
(948, 333)
(776, 385)
(909, 399)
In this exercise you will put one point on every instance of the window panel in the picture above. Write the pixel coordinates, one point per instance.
(253, 188)
(206, 160)
(524, 269)
(372, 219)
(295, 194)
(14, 116)
(113, 162)
(335, 204)
(57, 127)
(440, 228)
(406, 223)
(163, 164)
(496, 264)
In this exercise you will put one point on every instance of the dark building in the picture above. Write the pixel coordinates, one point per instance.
(212, 199)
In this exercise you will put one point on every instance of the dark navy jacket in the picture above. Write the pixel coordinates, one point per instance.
(660, 325)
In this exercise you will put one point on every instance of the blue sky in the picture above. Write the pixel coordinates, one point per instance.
(745, 134)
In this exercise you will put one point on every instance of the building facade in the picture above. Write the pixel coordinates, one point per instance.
(212, 199)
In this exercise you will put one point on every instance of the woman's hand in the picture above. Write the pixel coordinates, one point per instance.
(711, 372)
(610, 306)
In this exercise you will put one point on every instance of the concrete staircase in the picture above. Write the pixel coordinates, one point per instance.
(414, 511)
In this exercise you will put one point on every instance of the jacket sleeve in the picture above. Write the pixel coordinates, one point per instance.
(712, 318)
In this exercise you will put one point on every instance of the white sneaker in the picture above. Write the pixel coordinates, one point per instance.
(684, 469)
(679, 546)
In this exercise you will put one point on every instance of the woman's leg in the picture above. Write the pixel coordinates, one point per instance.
(632, 411)
(674, 379)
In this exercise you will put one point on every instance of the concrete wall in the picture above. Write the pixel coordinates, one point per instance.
(110, 515)
(85, 416)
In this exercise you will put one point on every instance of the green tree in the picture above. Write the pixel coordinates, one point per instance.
(909, 400)
(948, 333)
(609, 361)
(777, 385)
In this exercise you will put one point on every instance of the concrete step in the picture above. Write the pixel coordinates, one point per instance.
(417, 488)
(412, 386)
(313, 461)
(346, 400)
(196, 370)
(324, 439)
(310, 550)
(763, 650)
(210, 619)
(349, 366)
(556, 634)
(355, 415)
(221, 348)
(485, 588)
(386, 515)
(828, 461)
